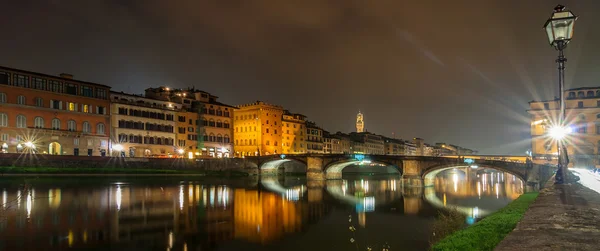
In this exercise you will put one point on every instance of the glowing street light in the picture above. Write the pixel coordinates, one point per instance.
(559, 132)
(180, 151)
(30, 144)
(559, 28)
(118, 147)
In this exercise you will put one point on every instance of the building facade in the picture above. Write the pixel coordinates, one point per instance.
(394, 146)
(582, 116)
(142, 127)
(368, 143)
(345, 142)
(204, 125)
(55, 115)
(314, 138)
(257, 129)
(293, 133)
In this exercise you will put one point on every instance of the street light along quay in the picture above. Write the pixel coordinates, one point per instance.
(559, 29)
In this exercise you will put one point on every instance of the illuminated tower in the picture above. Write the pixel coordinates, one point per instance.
(360, 123)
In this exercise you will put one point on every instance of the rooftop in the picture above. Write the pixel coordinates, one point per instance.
(52, 76)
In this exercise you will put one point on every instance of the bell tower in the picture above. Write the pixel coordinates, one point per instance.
(360, 123)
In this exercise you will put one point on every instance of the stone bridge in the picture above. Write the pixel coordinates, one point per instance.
(415, 170)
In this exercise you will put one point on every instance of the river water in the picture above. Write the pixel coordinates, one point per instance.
(240, 214)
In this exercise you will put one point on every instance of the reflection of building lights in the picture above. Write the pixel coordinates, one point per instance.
(479, 189)
(181, 197)
(219, 195)
(70, 238)
(393, 185)
(212, 196)
(171, 239)
(54, 198)
(455, 180)
(496, 188)
(29, 204)
(19, 199)
(4, 195)
(444, 199)
(369, 203)
(225, 197)
(362, 219)
(204, 200)
(118, 196)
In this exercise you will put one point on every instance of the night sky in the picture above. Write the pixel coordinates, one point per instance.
(456, 71)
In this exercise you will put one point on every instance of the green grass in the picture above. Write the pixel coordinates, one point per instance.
(110, 170)
(487, 233)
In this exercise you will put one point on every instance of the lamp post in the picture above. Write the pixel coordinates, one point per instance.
(559, 29)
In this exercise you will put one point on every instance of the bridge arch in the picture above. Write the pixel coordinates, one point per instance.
(272, 166)
(430, 174)
(334, 170)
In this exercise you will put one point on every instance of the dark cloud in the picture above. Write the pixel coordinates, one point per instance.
(454, 71)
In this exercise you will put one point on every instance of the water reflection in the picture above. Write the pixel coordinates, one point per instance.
(476, 193)
(192, 215)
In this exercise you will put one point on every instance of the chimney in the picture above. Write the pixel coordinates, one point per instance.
(66, 75)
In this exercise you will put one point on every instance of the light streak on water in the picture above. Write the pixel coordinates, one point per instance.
(29, 204)
(118, 198)
(455, 180)
(181, 197)
(4, 198)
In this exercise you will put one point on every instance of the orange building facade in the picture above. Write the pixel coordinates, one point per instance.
(258, 129)
(52, 114)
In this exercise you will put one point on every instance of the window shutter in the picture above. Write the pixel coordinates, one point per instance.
(75, 107)
(60, 106)
(51, 104)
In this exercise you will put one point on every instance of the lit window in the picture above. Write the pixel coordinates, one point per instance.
(85, 108)
(71, 106)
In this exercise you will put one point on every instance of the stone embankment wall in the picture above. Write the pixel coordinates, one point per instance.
(39, 160)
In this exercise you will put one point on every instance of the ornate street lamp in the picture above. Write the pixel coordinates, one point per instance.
(559, 29)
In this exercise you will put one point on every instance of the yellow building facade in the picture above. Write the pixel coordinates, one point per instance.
(142, 127)
(204, 125)
(293, 133)
(583, 118)
(257, 129)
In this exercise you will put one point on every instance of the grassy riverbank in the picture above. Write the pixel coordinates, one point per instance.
(487, 233)
(108, 171)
